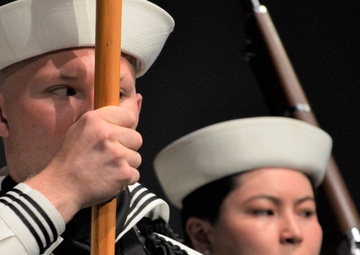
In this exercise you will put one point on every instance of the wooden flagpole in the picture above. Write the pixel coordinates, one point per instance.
(107, 89)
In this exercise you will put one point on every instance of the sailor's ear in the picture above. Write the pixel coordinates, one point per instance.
(4, 128)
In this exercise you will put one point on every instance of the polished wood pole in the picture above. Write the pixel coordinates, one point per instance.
(107, 89)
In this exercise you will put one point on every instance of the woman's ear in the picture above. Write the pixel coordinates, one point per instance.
(198, 232)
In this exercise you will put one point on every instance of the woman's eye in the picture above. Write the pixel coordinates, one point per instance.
(307, 213)
(63, 91)
(263, 212)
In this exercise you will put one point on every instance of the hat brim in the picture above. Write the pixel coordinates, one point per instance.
(30, 28)
(241, 145)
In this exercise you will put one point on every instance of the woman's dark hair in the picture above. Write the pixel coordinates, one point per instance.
(205, 202)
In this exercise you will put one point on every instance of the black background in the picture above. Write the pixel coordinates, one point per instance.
(201, 78)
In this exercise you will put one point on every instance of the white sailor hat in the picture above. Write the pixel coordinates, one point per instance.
(30, 28)
(241, 145)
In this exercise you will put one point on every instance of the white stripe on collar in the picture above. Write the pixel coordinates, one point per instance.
(148, 206)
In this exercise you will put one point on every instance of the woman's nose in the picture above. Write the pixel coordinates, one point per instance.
(290, 232)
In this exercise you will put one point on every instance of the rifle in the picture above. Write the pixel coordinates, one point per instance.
(295, 99)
